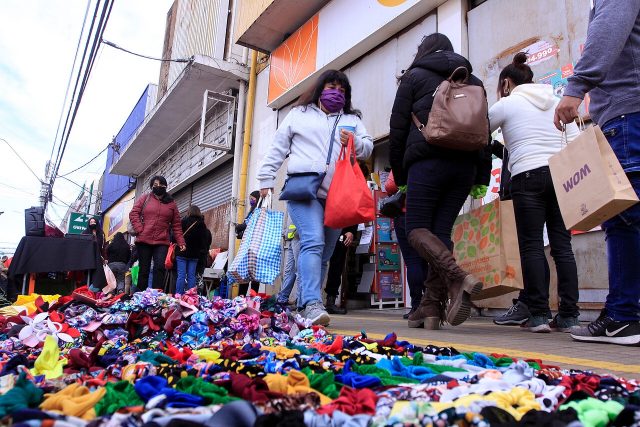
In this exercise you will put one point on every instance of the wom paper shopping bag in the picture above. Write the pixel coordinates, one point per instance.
(590, 184)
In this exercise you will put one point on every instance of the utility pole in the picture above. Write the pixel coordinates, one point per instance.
(45, 188)
(90, 195)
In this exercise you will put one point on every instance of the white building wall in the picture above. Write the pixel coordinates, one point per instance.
(373, 79)
(201, 27)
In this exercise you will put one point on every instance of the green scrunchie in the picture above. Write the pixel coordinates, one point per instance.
(156, 359)
(595, 413)
(478, 191)
(119, 395)
(212, 394)
(385, 377)
(23, 395)
(324, 383)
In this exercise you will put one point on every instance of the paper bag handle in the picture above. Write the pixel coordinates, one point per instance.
(564, 137)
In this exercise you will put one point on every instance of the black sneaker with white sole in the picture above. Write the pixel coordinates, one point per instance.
(517, 314)
(605, 329)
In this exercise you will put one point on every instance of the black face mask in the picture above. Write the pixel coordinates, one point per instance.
(93, 226)
(159, 191)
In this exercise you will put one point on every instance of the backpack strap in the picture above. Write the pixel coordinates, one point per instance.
(457, 72)
(417, 121)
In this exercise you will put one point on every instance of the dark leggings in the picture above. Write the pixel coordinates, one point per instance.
(436, 191)
(417, 267)
(145, 254)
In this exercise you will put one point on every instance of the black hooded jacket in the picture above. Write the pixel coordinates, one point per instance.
(415, 94)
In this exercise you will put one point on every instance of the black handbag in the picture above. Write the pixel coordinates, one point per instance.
(304, 186)
(392, 206)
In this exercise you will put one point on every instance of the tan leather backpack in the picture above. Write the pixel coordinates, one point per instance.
(458, 118)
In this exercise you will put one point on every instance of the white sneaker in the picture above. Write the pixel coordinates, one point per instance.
(316, 312)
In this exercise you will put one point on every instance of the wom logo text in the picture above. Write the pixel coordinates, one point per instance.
(576, 178)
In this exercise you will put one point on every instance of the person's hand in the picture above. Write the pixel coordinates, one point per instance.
(264, 192)
(478, 191)
(566, 111)
(344, 136)
(183, 248)
(348, 238)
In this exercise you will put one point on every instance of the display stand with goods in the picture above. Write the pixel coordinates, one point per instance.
(388, 285)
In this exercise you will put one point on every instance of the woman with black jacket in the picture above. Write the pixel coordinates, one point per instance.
(195, 235)
(438, 182)
(118, 256)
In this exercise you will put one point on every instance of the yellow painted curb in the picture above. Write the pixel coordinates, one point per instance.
(548, 358)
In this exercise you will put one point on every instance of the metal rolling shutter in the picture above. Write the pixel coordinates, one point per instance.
(183, 199)
(214, 189)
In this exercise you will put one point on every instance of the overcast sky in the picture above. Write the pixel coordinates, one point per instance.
(38, 40)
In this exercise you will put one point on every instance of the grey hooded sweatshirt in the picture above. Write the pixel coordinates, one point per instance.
(609, 68)
(304, 136)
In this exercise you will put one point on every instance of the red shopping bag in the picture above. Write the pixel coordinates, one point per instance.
(171, 257)
(349, 201)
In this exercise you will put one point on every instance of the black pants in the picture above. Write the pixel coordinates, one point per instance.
(145, 254)
(535, 203)
(436, 191)
(336, 268)
(417, 267)
(243, 288)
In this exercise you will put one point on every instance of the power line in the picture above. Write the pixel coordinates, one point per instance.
(75, 88)
(22, 160)
(102, 23)
(66, 94)
(73, 182)
(84, 164)
(18, 189)
(115, 46)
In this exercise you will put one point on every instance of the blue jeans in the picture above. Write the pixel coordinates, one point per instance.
(417, 267)
(290, 274)
(316, 247)
(186, 273)
(623, 231)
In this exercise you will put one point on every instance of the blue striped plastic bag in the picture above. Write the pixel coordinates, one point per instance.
(260, 253)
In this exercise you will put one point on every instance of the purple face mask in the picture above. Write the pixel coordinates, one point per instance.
(332, 100)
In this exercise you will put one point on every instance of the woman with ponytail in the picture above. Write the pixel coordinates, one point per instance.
(524, 112)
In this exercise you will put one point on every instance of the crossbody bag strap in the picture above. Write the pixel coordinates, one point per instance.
(190, 227)
(333, 134)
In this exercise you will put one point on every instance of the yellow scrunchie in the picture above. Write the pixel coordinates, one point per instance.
(49, 363)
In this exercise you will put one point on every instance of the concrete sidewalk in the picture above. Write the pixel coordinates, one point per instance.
(481, 335)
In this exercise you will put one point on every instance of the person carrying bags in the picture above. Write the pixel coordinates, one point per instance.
(439, 178)
(525, 112)
(152, 218)
(311, 136)
(194, 232)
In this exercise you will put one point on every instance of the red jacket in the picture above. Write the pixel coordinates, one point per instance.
(159, 218)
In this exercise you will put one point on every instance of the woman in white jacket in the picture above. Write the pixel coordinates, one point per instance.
(525, 113)
(305, 136)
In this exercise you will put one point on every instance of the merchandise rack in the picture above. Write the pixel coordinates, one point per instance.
(388, 290)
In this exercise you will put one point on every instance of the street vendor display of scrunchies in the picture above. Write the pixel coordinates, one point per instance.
(153, 357)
